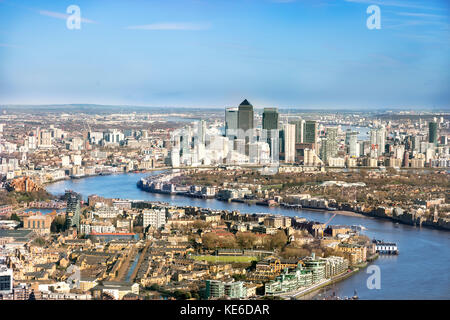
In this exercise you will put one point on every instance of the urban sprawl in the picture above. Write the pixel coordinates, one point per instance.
(387, 165)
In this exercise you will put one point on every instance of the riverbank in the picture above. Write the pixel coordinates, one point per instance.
(349, 213)
(408, 219)
(102, 174)
(421, 248)
(312, 291)
(250, 202)
(164, 183)
(341, 212)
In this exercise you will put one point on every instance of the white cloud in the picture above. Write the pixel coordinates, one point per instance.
(63, 16)
(170, 26)
(388, 3)
(420, 15)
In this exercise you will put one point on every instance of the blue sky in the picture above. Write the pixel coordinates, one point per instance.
(215, 53)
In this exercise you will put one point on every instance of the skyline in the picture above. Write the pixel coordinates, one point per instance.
(288, 54)
(78, 107)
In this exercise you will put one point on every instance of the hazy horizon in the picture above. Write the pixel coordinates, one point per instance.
(222, 108)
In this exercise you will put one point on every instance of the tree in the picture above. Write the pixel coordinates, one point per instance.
(210, 240)
(246, 240)
(239, 277)
(294, 252)
(196, 296)
(58, 224)
(278, 240)
(154, 287)
(39, 242)
(199, 224)
(14, 216)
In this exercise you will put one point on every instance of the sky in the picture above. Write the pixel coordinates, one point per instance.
(214, 53)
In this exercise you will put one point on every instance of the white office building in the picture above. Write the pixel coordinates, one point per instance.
(289, 142)
(154, 217)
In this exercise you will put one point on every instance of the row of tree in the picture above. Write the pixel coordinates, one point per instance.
(244, 240)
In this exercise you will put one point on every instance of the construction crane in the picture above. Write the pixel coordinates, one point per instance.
(326, 223)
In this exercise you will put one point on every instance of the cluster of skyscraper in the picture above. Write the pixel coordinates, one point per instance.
(287, 139)
(290, 140)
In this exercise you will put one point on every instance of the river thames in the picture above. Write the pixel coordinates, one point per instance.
(420, 271)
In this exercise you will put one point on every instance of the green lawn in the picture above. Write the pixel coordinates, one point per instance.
(225, 258)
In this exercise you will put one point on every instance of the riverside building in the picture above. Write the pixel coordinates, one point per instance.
(219, 289)
(313, 271)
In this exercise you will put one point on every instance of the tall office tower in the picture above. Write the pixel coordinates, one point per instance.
(259, 152)
(289, 142)
(245, 123)
(364, 148)
(73, 209)
(231, 122)
(351, 139)
(245, 116)
(381, 137)
(239, 146)
(310, 132)
(186, 139)
(432, 132)
(329, 146)
(201, 131)
(378, 140)
(274, 148)
(299, 129)
(154, 217)
(175, 157)
(281, 141)
(270, 119)
(373, 136)
(270, 126)
(416, 143)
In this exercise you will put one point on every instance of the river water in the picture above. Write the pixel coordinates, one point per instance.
(420, 271)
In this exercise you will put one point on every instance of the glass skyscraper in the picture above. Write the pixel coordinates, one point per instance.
(310, 132)
(432, 132)
(231, 121)
(245, 116)
(299, 128)
(73, 209)
(270, 119)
